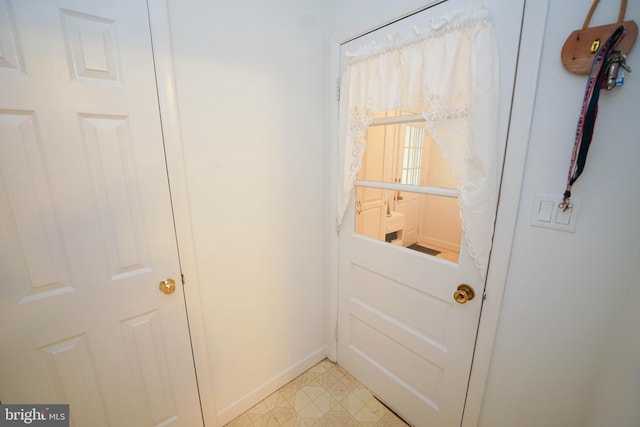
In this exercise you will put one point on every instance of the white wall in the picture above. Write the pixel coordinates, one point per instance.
(615, 398)
(252, 92)
(561, 357)
(564, 354)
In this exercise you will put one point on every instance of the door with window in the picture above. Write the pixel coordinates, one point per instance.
(91, 306)
(410, 293)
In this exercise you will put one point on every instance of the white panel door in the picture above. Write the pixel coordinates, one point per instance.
(400, 331)
(86, 228)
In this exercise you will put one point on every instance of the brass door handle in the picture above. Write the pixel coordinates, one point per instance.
(463, 294)
(167, 286)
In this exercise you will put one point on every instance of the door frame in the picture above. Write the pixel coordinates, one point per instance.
(160, 28)
(518, 136)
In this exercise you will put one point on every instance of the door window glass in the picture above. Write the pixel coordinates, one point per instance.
(405, 192)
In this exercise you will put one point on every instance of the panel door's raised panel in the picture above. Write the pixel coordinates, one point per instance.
(10, 49)
(108, 145)
(414, 372)
(426, 315)
(31, 215)
(92, 47)
(148, 363)
(72, 376)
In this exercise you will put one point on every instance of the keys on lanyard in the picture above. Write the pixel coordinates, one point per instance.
(565, 204)
(617, 67)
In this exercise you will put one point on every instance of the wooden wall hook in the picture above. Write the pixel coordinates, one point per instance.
(581, 46)
(578, 53)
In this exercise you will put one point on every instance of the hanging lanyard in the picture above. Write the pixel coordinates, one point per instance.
(587, 120)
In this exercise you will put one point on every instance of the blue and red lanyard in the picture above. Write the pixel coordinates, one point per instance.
(587, 120)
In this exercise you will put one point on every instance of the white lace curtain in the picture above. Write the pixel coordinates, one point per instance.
(449, 72)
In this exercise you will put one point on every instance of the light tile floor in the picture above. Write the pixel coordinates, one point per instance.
(324, 396)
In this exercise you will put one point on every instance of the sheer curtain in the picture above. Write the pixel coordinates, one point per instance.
(449, 71)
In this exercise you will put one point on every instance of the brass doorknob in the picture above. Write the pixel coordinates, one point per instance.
(167, 286)
(463, 294)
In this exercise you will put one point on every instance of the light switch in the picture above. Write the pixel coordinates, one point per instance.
(563, 217)
(545, 211)
(547, 214)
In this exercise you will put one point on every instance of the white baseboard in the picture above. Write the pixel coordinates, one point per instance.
(442, 243)
(250, 399)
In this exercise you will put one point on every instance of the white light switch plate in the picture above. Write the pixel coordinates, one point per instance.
(547, 214)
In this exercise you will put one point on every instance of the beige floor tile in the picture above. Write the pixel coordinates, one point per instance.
(324, 396)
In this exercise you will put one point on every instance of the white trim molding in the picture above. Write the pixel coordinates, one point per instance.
(256, 395)
(160, 27)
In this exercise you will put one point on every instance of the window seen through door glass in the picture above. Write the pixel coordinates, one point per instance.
(403, 153)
